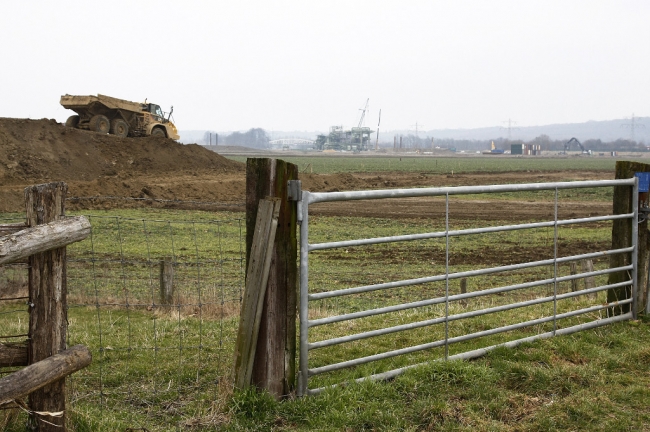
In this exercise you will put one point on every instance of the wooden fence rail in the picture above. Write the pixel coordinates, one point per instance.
(53, 235)
(42, 373)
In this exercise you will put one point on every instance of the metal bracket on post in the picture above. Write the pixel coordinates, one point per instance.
(294, 190)
(294, 193)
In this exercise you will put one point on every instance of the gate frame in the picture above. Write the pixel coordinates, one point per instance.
(307, 198)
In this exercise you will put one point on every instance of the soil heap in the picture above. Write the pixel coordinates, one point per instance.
(40, 151)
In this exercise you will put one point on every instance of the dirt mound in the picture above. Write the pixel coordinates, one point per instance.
(36, 151)
(127, 172)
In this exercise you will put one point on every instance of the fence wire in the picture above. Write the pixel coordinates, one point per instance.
(14, 316)
(156, 365)
(162, 360)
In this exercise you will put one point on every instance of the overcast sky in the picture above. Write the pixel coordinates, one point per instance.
(306, 65)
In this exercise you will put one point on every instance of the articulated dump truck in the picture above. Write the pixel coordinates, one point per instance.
(105, 114)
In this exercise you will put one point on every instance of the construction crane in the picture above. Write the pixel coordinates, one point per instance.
(575, 140)
(363, 112)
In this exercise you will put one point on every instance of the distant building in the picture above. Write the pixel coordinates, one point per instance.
(355, 139)
(526, 149)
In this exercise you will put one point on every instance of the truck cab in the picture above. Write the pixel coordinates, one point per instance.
(156, 111)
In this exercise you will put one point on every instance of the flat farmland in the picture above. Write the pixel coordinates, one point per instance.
(168, 371)
(444, 163)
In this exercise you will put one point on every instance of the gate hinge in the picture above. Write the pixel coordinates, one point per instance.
(294, 190)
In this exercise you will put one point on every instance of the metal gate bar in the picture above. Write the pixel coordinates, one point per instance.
(456, 233)
(458, 275)
(312, 198)
(448, 340)
(426, 323)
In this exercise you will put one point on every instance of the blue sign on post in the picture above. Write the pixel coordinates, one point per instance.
(644, 181)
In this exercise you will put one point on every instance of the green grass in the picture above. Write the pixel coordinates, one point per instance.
(166, 368)
(587, 381)
(153, 365)
(442, 165)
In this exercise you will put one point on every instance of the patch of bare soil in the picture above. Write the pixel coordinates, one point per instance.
(94, 165)
(40, 151)
(459, 208)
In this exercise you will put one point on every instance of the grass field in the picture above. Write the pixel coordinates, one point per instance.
(592, 381)
(168, 368)
(441, 165)
(155, 366)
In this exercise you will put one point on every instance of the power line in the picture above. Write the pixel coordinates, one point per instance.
(510, 127)
(416, 125)
(632, 125)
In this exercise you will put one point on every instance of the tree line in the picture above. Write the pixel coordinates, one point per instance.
(254, 137)
(544, 141)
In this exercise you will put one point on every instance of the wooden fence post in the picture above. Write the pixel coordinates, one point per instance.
(275, 355)
(463, 290)
(622, 238)
(48, 315)
(166, 283)
(573, 269)
(590, 282)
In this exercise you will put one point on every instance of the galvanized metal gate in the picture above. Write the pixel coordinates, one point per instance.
(311, 294)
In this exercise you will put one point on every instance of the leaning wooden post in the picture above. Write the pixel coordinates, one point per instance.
(274, 365)
(48, 315)
(257, 276)
(622, 238)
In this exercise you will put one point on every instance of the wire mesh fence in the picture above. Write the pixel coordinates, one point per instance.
(157, 302)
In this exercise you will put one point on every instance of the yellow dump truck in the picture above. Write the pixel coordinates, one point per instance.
(105, 114)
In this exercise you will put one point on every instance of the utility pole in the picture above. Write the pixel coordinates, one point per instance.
(632, 125)
(417, 137)
(510, 127)
(416, 128)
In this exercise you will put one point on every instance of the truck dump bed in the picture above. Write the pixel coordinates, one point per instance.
(79, 102)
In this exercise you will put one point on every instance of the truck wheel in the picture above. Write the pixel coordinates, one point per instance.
(119, 128)
(99, 123)
(158, 132)
(72, 121)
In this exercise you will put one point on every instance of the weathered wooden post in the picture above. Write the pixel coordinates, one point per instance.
(573, 269)
(48, 315)
(274, 365)
(622, 237)
(166, 282)
(590, 282)
(257, 277)
(463, 290)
